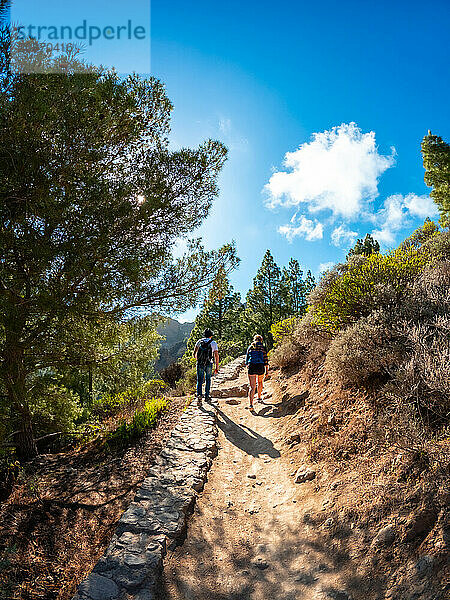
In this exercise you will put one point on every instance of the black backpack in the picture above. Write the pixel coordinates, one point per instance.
(204, 353)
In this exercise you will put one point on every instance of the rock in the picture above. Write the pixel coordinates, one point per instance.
(235, 391)
(424, 565)
(419, 524)
(260, 563)
(304, 474)
(98, 587)
(337, 594)
(293, 439)
(329, 523)
(385, 536)
(251, 475)
(129, 578)
(134, 560)
(233, 401)
(149, 594)
(332, 420)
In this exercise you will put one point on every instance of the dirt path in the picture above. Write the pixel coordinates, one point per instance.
(250, 536)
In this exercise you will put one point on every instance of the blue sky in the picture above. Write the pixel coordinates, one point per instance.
(266, 77)
(322, 106)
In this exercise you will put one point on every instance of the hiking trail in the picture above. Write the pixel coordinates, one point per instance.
(251, 536)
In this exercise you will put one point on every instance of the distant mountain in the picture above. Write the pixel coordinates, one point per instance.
(173, 347)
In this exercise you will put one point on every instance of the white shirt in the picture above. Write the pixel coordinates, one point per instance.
(214, 346)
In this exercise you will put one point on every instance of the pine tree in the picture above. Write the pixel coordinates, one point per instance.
(367, 246)
(298, 287)
(221, 312)
(217, 296)
(286, 297)
(264, 300)
(436, 161)
(310, 282)
(292, 290)
(91, 203)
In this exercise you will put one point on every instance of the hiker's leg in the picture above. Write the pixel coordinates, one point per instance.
(260, 385)
(251, 388)
(208, 371)
(200, 373)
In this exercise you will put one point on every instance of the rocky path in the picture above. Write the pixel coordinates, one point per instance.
(249, 537)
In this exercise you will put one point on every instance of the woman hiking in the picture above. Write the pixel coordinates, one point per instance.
(258, 366)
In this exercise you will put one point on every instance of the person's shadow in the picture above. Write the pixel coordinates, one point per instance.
(245, 438)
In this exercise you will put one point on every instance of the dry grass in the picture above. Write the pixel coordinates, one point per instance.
(374, 469)
(61, 515)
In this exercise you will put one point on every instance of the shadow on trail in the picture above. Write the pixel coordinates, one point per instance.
(245, 438)
(227, 569)
(288, 406)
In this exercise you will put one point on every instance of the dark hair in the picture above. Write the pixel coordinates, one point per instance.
(208, 333)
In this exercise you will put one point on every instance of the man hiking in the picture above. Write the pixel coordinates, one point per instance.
(206, 352)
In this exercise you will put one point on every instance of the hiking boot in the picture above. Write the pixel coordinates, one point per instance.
(208, 399)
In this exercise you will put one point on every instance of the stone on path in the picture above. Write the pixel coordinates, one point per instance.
(261, 563)
(385, 536)
(98, 587)
(305, 474)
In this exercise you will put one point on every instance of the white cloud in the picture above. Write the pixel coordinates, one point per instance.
(337, 171)
(397, 213)
(326, 266)
(421, 206)
(343, 236)
(307, 228)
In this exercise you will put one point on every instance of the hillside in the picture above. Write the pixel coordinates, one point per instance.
(364, 381)
(173, 346)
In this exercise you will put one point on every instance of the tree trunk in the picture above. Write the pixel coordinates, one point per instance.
(24, 439)
(90, 384)
(14, 378)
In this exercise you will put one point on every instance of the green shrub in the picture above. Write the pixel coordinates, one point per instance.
(225, 360)
(54, 408)
(142, 421)
(9, 471)
(111, 404)
(355, 292)
(283, 328)
(188, 382)
(298, 343)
